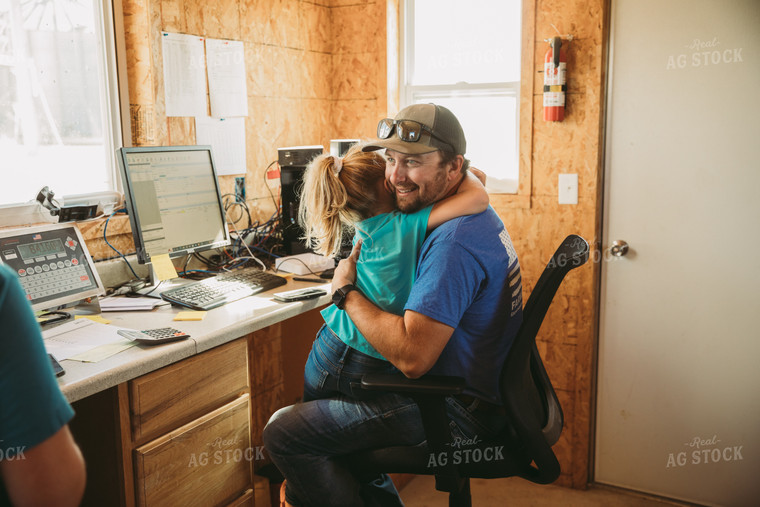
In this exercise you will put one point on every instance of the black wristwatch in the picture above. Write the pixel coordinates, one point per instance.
(339, 296)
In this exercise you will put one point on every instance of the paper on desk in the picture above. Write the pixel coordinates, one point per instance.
(184, 74)
(125, 304)
(226, 136)
(225, 64)
(103, 351)
(94, 318)
(82, 337)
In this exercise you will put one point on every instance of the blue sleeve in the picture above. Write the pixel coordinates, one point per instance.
(32, 407)
(448, 279)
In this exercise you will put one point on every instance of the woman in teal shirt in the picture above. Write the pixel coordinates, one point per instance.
(350, 193)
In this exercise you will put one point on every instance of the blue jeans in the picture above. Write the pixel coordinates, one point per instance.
(334, 368)
(303, 439)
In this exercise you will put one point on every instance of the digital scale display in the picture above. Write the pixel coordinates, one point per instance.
(52, 263)
(40, 248)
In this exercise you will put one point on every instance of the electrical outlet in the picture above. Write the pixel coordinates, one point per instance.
(240, 189)
(568, 189)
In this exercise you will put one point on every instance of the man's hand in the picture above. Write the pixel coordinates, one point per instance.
(345, 273)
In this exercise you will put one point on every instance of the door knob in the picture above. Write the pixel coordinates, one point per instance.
(619, 248)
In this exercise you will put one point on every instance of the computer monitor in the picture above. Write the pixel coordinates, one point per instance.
(173, 199)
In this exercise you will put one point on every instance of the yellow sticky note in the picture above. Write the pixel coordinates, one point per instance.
(190, 316)
(163, 267)
(96, 318)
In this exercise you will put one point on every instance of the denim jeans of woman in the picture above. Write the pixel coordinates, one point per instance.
(337, 418)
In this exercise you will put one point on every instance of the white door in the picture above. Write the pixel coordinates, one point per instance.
(678, 405)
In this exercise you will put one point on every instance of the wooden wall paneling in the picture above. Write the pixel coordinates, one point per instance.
(119, 235)
(356, 75)
(136, 16)
(317, 27)
(351, 33)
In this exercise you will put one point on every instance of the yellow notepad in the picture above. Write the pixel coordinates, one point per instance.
(190, 316)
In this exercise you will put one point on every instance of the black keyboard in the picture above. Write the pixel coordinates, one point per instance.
(223, 288)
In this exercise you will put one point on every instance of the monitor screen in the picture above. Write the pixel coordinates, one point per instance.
(173, 199)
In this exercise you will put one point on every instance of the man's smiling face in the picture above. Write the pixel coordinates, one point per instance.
(419, 180)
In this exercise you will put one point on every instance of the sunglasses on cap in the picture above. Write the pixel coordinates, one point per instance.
(408, 131)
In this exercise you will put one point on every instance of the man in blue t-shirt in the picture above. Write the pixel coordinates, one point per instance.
(40, 464)
(461, 317)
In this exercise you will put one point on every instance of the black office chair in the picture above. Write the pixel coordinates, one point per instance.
(533, 412)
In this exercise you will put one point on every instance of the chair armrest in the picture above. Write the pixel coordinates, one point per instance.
(429, 384)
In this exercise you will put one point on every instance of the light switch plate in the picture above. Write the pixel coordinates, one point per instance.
(568, 189)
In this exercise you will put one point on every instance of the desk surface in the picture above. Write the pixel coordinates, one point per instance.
(221, 325)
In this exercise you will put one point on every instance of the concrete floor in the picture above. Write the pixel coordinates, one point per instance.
(516, 492)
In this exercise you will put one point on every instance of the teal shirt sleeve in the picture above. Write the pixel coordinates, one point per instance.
(32, 407)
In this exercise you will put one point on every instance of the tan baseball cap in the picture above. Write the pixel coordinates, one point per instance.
(441, 131)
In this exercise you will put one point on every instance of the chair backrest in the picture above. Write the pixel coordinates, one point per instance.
(529, 398)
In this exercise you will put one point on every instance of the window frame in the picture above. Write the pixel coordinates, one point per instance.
(523, 90)
(111, 67)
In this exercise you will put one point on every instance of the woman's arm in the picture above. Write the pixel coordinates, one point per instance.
(471, 198)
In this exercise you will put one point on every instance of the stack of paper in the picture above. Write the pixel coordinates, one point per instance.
(84, 340)
(125, 304)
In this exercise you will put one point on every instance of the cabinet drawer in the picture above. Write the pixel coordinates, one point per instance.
(247, 500)
(176, 394)
(205, 462)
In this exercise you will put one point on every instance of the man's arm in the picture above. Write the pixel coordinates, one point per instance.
(412, 343)
(50, 473)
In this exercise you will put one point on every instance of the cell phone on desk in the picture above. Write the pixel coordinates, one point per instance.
(298, 295)
(57, 368)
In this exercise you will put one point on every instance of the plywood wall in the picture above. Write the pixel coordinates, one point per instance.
(317, 71)
(314, 73)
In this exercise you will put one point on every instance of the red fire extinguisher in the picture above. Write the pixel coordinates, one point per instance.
(555, 81)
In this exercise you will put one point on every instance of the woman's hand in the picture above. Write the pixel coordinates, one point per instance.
(345, 272)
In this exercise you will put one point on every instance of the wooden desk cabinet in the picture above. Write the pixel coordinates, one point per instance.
(194, 417)
(190, 438)
(190, 433)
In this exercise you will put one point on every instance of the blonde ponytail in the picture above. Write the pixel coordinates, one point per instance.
(336, 194)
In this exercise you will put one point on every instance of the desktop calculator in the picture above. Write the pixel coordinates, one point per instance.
(154, 336)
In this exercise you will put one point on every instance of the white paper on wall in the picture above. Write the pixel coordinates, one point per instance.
(225, 63)
(226, 136)
(184, 74)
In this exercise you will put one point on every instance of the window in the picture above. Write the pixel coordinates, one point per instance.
(59, 122)
(466, 56)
